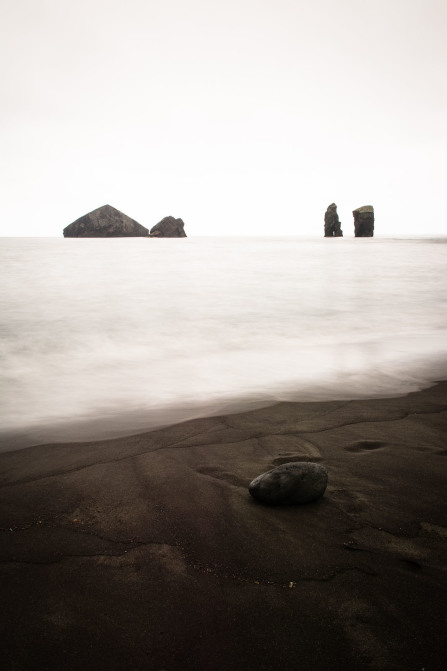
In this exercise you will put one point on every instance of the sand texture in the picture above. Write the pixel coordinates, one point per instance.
(148, 553)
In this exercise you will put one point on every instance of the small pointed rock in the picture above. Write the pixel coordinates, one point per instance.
(169, 227)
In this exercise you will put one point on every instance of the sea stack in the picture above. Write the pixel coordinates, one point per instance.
(332, 225)
(105, 222)
(364, 221)
(169, 227)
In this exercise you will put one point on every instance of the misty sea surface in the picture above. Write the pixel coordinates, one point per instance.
(107, 337)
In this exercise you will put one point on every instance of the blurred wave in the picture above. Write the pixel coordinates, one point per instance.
(127, 334)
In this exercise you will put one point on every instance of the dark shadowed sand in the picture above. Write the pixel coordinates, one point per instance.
(147, 553)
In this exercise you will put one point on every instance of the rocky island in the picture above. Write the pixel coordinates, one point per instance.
(169, 227)
(364, 221)
(105, 222)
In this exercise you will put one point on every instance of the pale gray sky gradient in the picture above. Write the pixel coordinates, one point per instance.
(242, 117)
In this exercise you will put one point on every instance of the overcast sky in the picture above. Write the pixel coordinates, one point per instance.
(240, 116)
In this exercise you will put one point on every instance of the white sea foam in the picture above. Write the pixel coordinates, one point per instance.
(126, 334)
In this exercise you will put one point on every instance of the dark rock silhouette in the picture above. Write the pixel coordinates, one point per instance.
(169, 227)
(105, 222)
(332, 225)
(364, 221)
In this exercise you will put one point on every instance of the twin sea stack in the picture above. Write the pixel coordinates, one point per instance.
(108, 222)
(332, 225)
(363, 222)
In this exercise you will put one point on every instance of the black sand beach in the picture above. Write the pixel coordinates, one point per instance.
(147, 552)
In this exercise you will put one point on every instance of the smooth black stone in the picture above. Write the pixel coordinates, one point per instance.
(289, 484)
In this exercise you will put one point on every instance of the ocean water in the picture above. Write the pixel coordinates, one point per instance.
(102, 337)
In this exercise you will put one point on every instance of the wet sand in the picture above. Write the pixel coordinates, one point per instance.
(147, 552)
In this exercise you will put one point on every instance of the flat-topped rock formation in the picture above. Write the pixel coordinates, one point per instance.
(105, 222)
(364, 221)
(332, 224)
(169, 227)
